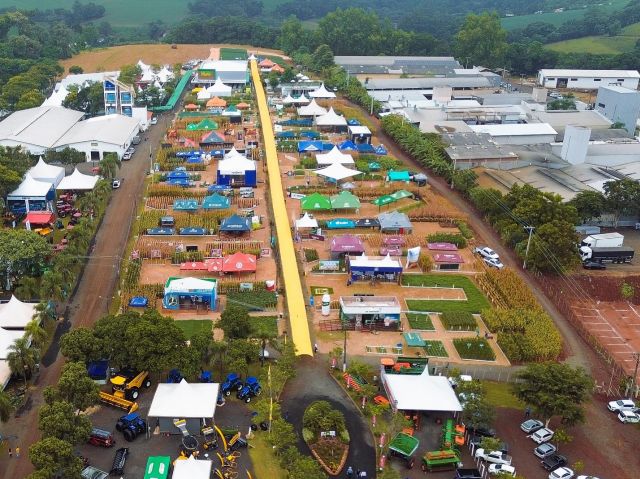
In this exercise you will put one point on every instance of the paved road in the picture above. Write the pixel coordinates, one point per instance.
(313, 383)
(94, 293)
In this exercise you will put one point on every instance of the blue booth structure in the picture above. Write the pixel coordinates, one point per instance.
(31, 195)
(236, 169)
(189, 204)
(216, 202)
(367, 268)
(190, 293)
(235, 224)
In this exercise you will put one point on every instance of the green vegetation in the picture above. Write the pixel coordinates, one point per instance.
(233, 54)
(264, 326)
(475, 302)
(454, 238)
(474, 348)
(435, 348)
(261, 453)
(310, 254)
(420, 321)
(598, 45)
(191, 327)
(253, 300)
(458, 321)
(500, 394)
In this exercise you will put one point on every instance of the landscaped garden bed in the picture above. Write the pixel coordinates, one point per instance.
(435, 349)
(420, 321)
(458, 321)
(475, 302)
(253, 300)
(264, 326)
(474, 348)
(326, 434)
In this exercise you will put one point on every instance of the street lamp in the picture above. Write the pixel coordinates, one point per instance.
(344, 350)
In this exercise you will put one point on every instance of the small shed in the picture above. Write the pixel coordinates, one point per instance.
(375, 312)
(395, 222)
(346, 245)
(306, 222)
(38, 218)
(448, 261)
(190, 293)
(359, 134)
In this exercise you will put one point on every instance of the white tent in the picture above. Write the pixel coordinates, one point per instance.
(48, 173)
(7, 338)
(322, 92)
(233, 153)
(192, 468)
(337, 172)
(331, 118)
(236, 165)
(185, 284)
(30, 188)
(301, 100)
(219, 89)
(334, 156)
(57, 97)
(78, 181)
(409, 392)
(15, 314)
(306, 222)
(5, 374)
(203, 94)
(312, 109)
(375, 262)
(288, 100)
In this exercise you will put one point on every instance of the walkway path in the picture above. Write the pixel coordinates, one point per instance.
(296, 307)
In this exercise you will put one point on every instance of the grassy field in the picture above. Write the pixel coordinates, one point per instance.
(475, 303)
(233, 54)
(602, 44)
(420, 321)
(265, 324)
(500, 395)
(193, 326)
(261, 454)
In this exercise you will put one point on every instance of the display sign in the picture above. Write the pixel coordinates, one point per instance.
(265, 252)
(216, 253)
(246, 286)
(329, 265)
(316, 236)
(297, 196)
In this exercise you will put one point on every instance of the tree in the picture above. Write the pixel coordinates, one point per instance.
(627, 291)
(9, 180)
(589, 204)
(282, 435)
(36, 332)
(21, 252)
(478, 412)
(235, 322)
(52, 286)
(482, 39)
(76, 387)
(306, 468)
(129, 74)
(622, 197)
(21, 358)
(29, 99)
(561, 436)
(322, 58)
(81, 344)
(6, 407)
(566, 103)
(554, 389)
(52, 456)
(75, 69)
(109, 165)
(58, 419)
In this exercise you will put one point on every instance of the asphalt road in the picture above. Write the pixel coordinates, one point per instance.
(97, 287)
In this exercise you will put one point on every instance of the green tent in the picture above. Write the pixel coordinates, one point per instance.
(398, 175)
(316, 202)
(205, 124)
(345, 200)
(401, 194)
(157, 467)
(383, 200)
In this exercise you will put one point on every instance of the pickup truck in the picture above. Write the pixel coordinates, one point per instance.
(553, 462)
(495, 457)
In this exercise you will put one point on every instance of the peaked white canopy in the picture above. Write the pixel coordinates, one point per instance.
(30, 188)
(192, 468)
(380, 262)
(306, 222)
(236, 165)
(15, 314)
(219, 89)
(288, 100)
(337, 172)
(7, 338)
(184, 400)
(322, 92)
(334, 156)
(78, 181)
(203, 94)
(301, 100)
(331, 118)
(45, 172)
(188, 284)
(233, 153)
(312, 109)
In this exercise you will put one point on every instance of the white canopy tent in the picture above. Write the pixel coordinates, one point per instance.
(5, 374)
(15, 314)
(334, 156)
(301, 100)
(30, 190)
(337, 172)
(192, 468)
(45, 172)
(409, 392)
(288, 100)
(78, 181)
(203, 94)
(236, 165)
(219, 89)
(7, 338)
(375, 262)
(312, 109)
(322, 92)
(306, 222)
(331, 118)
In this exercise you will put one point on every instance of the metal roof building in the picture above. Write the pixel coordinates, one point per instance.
(397, 64)
(587, 79)
(457, 83)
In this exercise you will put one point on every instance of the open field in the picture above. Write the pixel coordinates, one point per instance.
(601, 44)
(112, 58)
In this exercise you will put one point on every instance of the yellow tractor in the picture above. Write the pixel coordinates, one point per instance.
(125, 387)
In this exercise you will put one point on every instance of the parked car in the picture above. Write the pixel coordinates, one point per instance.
(544, 450)
(115, 184)
(131, 150)
(100, 437)
(553, 462)
(542, 435)
(482, 431)
(496, 457)
(531, 425)
(593, 265)
(493, 263)
(621, 405)
(486, 252)
(91, 472)
(154, 120)
(127, 156)
(562, 473)
(502, 469)
(628, 417)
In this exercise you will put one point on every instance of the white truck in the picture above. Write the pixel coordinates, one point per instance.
(495, 457)
(604, 240)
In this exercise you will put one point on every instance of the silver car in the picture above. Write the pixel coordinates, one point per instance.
(544, 450)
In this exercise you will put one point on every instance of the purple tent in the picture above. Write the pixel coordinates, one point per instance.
(346, 244)
(442, 246)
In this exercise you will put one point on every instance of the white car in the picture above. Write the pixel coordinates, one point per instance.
(621, 405)
(502, 469)
(562, 473)
(493, 263)
(586, 477)
(542, 435)
(154, 120)
(486, 252)
(115, 184)
(544, 450)
(628, 417)
(127, 156)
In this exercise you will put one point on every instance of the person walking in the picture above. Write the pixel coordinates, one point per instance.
(10, 453)
(527, 412)
(349, 470)
(315, 347)
(17, 452)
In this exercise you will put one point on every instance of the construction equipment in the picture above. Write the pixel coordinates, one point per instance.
(131, 426)
(125, 387)
(210, 439)
(444, 460)
(403, 446)
(129, 406)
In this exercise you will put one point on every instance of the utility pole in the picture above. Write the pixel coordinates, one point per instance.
(526, 253)
(636, 356)
(453, 173)
(344, 351)
(371, 112)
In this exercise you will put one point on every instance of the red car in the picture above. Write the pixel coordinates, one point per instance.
(101, 438)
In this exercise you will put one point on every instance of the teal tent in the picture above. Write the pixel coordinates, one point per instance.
(341, 223)
(190, 204)
(205, 124)
(216, 202)
(398, 175)
(383, 200)
(374, 166)
(345, 200)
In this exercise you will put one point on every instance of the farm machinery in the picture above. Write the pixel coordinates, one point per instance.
(125, 389)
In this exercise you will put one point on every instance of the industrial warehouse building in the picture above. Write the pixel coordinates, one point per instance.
(588, 79)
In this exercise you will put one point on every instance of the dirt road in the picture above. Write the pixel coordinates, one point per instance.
(96, 288)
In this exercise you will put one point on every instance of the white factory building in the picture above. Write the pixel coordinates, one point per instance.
(587, 79)
(47, 127)
(518, 133)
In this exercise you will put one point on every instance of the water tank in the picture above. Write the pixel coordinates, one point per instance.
(326, 304)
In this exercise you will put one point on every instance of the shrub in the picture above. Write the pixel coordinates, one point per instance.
(425, 262)
(458, 321)
(344, 436)
(474, 348)
(307, 434)
(310, 254)
(455, 238)
(465, 230)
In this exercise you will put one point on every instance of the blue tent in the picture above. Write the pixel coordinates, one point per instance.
(190, 204)
(161, 231)
(184, 182)
(235, 223)
(299, 122)
(353, 122)
(381, 150)
(307, 146)
(217, 153)
(194, 160)
(340, 223)
(347, 145)
(327, 146)
(312, 135)
(193, 231)
(176, 174)
(365, 148)
(285, 134)
(216, 202)
(398, 175)
(138, 302)
(218, 188)
(185, 154)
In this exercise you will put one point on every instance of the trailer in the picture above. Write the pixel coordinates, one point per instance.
(446, 460)
(622, 254)
(403, 446)
(604, 240)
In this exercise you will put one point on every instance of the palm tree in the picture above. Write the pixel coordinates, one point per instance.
(6, 408)
(21, 358)
(109, 165)
(51, 286)
(36, 332)
(28, 288)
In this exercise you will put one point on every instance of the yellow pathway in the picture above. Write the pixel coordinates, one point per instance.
(295, 299)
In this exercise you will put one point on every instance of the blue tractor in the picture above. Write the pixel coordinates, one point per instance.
(131, 426)
(232, 383)
(250, 389)
(175, 376)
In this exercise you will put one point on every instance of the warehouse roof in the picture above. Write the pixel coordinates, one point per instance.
(422, 83)
(114, 129)
(590, 73)
(515, 129)
(42, 126)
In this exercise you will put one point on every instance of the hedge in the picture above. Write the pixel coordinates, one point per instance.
(455, 238)
(458, 321)
(474, 348)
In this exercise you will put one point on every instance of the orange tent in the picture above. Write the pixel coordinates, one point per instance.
(191, 106)
(242, 106)
(277, 68)
(266, 63)
(216, 102)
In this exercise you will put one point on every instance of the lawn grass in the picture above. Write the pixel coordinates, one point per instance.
(420, 321)
(192, 326)
(474, 348)
(435, 348)
(499, 394)
(265, 324)
(233, 54)
(475, 303)
(262, 458)
(602, 44)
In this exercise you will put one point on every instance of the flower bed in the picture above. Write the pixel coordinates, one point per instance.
(474, 348)
(331, 454)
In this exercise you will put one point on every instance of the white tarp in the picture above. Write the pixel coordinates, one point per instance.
(78, 181)
(16, 314)
(45, 172)
(30, 188)
(337, 171)
(236, 165)
(189, 284)
(409, 392)
(312, 109)
(192, 468)
(334, 156)
(331, 118)
(7, 338)
(184, 400)
(376, 262)
(322, 92)
(306, 222)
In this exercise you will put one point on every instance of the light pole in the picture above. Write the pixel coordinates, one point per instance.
(636, 356)
(526, 253)
(344, 351)
(453, 172)
(371, 110)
